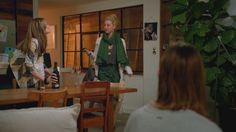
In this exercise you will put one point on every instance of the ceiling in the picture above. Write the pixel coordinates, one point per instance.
(47, 4)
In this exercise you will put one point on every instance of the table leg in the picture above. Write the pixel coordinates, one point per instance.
(111, 116)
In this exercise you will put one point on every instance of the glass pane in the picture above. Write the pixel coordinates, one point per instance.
(71, 24)
(133, 17)
(133, 38)
(104, 14)
(77, 60)
(90, 22)
(136, 60)
(77, 42)
(70, 42)
(89, 41)
(71, 59)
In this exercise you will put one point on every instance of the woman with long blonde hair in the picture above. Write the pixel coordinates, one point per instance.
(110, 57)
(27, 62)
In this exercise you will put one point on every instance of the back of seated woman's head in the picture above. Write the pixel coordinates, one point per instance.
(181, 80)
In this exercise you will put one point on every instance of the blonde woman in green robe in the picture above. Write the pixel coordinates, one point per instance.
(110, 53)
(110, 58)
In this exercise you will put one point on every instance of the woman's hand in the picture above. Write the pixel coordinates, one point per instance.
(128, 70)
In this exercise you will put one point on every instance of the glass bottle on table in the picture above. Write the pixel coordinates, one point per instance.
(77, 73)
(56, 85)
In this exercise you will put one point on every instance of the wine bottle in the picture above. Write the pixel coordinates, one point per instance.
(56, 85)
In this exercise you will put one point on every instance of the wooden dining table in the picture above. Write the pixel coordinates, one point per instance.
(20, 96)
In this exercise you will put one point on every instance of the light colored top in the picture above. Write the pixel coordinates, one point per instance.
(23, 65)
(150, 119)
(33, 60)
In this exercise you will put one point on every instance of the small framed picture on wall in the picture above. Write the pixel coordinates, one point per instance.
(150, 31)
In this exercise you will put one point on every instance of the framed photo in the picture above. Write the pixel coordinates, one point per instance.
(150, 31)
(51, 36)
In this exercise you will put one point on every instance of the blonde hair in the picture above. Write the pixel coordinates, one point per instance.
(36, 29)
(113, 18)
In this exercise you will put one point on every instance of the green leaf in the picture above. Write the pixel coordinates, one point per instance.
(188, 36)
(205, 1)
(227, 36)
(212, 74)
(208, 58)
(228, 21)
(199, 42)
(211, 6)
(211, 45)
(181, 18)
(219, 4)
(191, 2)
(177, 9)
(219, 28)
(203, 29)
(184, 29)
(198, 9)
(182, 2)
(227, 81)
(220, 14)
(232, 44)
(221, 59)
(233, 55)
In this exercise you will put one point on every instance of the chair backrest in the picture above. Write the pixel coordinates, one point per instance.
(53, 98)
(98, 92)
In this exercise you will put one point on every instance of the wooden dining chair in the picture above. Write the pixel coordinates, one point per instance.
(97, 115)
(54, 98)
(49, 97)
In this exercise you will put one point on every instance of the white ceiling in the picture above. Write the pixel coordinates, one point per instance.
(47, 4)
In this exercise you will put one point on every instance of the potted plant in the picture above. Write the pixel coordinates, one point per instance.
(207, 25)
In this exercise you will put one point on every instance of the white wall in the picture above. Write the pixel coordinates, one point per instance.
(146, 84)
(35, 8)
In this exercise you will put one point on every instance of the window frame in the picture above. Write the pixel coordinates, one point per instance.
(100, 30)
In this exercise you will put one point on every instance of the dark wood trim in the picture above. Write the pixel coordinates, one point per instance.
(62, 34)
(164, 24)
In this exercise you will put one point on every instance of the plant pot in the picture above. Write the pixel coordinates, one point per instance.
(227, 119)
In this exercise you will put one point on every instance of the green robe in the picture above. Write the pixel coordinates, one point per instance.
(109, 59)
